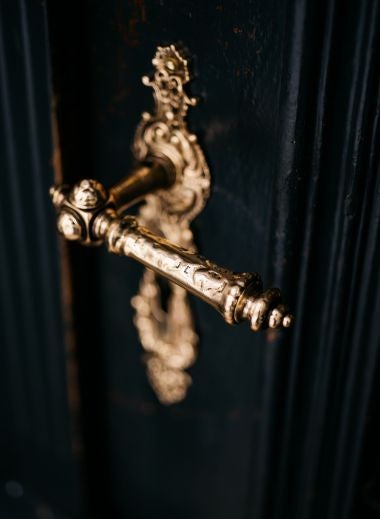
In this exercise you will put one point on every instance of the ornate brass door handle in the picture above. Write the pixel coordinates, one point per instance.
(173, 178)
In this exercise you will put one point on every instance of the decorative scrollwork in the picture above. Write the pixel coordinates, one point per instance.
(164, 136)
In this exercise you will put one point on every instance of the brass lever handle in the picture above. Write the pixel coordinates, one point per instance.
(89, 214)
(174, 180)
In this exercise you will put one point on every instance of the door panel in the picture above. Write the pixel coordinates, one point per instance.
(186, 457)
(275, 424)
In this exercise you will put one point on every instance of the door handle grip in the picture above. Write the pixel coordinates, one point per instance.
(89, 214)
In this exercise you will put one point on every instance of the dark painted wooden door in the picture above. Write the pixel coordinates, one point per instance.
(276, 425)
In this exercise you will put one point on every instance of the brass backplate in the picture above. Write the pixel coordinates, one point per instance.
(168, 336)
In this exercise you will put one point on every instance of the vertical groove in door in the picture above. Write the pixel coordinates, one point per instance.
(329, 366)
(72, 89)
(35, 436)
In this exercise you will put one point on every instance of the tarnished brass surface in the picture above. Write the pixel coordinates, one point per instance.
(174, 181)
(237, 296)
(142, 181)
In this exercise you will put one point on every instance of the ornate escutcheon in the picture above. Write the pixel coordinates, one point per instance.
(168, 336)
